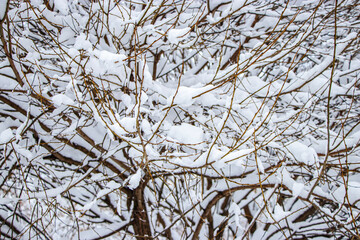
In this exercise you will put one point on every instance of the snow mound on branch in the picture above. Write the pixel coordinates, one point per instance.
(185, 95)
(60, 99)
(124, 126)
(349, 194)
(176, 35)
(6, 136)
(186, 133)
(81, 42)
(302, 153)
(129, 124)
(66, 34)
(110, 57)
(134, 180)
(62, 6)
(3, 4)
(297, 188)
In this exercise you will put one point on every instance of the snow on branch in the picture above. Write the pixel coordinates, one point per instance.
(179, 119)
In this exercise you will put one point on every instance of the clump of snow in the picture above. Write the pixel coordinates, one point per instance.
(110, 186)
(124, 126)
(186, 133)
(62, 6)
(60, 99)
(185, 95)
(151, 152)
(237, 155)
(254, 84)
(82, 43)
(6, 136)
(103, 62)
(237, 4)
(126, 100)
(23, 151)
(135, 153)
(302, 153)
(146, 127)
(66, 34)
(129, 124)
(134, 180)
(3, 4)
(113, 185)
(239, 219)
(279, 213)
(117, 129)
(109, 57)
(297, 189)
(352, 193)
(176, 35)
(303, 16)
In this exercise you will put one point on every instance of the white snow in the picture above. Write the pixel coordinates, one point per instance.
(186, 133)
(62, 6)
(129, 124)
(236, 4)
(23, 151)
(6, 136)
(297, 189)
(3, 4)
(98, 231)
(66, 34)
(124, 126)
(134, 180)
(302, 153)
(117, 129)
(135, 153)
(237, 154)
(279, 213)
(303, 16)
(192, 117)
(239, 219)
(176, 35)
(81, 42)
(110, 57)
(185, 95)
(110, 186)
(60, 99)
(126, 100)
(146, 127)
(352, 193)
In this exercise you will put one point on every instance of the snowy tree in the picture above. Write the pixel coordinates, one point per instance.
(179, 119)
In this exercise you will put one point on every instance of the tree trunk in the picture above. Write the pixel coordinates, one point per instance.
(141, 222)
